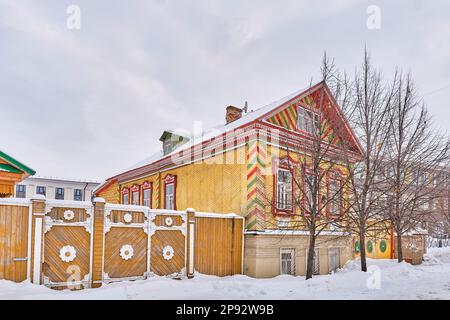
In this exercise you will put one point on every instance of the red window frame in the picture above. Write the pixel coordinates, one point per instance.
(168, 180)
(125, 191)
(133, 189)
(283, 164)
(147, 186)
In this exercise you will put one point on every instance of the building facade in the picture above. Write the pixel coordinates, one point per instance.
(240, 168)
(56, 188)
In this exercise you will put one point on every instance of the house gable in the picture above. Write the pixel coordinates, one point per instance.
(318, 98)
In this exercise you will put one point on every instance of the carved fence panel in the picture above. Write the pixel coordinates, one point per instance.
(126, 243)
(67, 245)
(168, 243)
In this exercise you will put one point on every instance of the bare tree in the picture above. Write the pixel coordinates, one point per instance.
(311, 162)
(413, 151)
(368, 114)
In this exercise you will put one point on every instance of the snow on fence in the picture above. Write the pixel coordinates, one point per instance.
(78, 244)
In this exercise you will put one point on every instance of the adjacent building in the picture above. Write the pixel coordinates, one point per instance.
(56, 188)
(240, 167)
(12, 172)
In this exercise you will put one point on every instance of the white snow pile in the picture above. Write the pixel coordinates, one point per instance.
(385, 279)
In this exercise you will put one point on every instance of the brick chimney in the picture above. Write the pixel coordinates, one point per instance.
(233, 113)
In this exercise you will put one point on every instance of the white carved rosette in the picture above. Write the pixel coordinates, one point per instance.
(67, 253)
(168, 252)
(126, 252)
(169, 221)
(69, 215)
(127, 217)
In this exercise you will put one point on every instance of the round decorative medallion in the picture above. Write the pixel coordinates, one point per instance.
(168, 252)
(67, 253)
(169, 221)
(126, 252)
(127, 217)
(357, 247)
(369, 246)
(69, 214)
(383, 246)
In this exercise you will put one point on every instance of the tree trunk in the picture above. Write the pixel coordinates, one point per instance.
(362, 244)
(399, 247)
(310, 261)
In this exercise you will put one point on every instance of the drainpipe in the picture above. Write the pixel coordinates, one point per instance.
(84, 191)
(392, 241)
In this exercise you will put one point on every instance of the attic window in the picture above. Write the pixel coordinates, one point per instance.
(167, 147)
(308, 121)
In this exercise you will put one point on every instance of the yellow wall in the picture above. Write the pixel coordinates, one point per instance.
(206, 186)
(111, 193)
(376, 239)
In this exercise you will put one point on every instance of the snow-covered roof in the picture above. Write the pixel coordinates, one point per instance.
(40, 177)
(218, 130)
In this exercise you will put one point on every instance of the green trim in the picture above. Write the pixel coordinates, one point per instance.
(357, 247)
(9, 168)
(369, 246)
(17, 164)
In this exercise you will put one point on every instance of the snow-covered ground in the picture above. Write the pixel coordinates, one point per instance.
(386, 279)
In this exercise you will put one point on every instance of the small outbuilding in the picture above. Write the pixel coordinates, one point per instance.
(11, 173)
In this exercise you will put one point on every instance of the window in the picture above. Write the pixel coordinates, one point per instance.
(167, 147)
(125, 196)
(333, 259)
(21, 191)
(170, 188)
(287, 261)
(147, 198)
(78, 195)
(307, 121)
(59, 193)
(316, 262)
(284, 190)
(308, 199)
(335, 196)
(40, 190)
(135, 197)
(170, 192)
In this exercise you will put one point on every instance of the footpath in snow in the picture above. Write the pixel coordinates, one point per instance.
(386, 279)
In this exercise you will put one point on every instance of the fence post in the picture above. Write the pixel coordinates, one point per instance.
(37, 234)
(98, 243)
(190, 242)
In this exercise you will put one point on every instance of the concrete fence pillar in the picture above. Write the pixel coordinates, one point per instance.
(37, 234)
(190, 243)
(98, 243)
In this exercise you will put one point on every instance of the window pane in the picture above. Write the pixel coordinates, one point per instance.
(126, 199)
(135, 198)
(59, 194)
(169, 203)
(147, 197)
(78, 195)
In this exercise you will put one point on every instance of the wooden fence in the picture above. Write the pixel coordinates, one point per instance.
(80, 244)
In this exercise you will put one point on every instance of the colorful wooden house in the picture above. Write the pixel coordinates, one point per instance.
(11, 173)
(236, 168)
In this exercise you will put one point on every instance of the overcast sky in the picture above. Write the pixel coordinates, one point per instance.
(87, 103)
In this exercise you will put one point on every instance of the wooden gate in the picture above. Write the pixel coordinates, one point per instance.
(126, 242)
(13, 242)
(67, 245)
(168, 243)
(140, 242)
